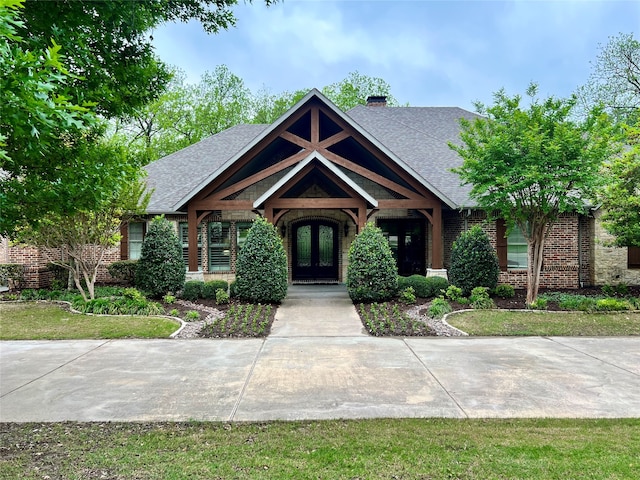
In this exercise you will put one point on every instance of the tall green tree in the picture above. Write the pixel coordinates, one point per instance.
(620, 197)
(530, 165)
(186, 113)
(615, 79)
(267, 107)
(354, 90)
(38, 121)
(109, 44)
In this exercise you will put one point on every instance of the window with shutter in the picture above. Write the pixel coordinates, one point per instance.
(219, 246)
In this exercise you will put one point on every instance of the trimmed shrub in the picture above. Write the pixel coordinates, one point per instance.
(160, 268)
(210, 289)
(372, 274)
(261, 269)
(505, 291)
(123, 271)
(192, 290)
(474, 262)
(437, 285)
(425, 287)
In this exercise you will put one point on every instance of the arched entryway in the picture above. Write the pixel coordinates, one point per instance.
(315, 251)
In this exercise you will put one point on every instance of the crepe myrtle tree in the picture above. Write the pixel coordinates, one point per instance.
(530, 165)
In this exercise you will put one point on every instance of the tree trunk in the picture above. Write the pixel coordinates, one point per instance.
(535, 247)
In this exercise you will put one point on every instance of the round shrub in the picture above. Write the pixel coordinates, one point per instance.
(474, 262)
(505, 291)
(192, 290)
(425, 287)
(372, 274)
(210, 288)
(437, 286)
(160, 267)
(261, 269)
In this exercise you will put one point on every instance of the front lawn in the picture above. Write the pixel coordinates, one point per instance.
(44, 321)
(569, 324)
(336, 449)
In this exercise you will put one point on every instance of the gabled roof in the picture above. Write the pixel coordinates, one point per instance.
(177, 175)
(420, 136)
(327, 164)
(414, 137)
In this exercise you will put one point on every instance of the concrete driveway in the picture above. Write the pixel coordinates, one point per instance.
(309, 368)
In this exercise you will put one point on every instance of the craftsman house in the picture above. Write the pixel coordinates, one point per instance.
(320, 174)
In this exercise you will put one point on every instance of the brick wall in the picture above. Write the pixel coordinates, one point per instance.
(35, 261)
(562, 251)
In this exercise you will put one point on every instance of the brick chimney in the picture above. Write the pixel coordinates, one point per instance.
(377, 101)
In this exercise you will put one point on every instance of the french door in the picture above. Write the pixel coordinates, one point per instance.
(315, 251)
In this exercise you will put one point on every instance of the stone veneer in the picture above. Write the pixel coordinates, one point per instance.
(610, 263)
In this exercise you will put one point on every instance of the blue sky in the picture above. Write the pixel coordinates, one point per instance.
(432, 53)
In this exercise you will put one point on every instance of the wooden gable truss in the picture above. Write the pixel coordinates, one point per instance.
(317, 133)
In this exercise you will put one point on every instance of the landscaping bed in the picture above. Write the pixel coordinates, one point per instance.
(395, 318)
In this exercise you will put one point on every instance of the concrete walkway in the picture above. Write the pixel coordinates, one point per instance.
(307, 370)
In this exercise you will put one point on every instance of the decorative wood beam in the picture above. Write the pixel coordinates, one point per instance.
(353, 216)
(278, 216)
(301, 142)
(426, 214)
(202, 215)
(314, 203)
(413, 204)
(385, 182)
(315, 125)
(256, 177)
(241, 162)
(211, 204)
(333, 139)
(373, 210)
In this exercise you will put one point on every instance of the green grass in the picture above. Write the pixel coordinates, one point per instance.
(492, 322)
(362, 449)
(39, 321)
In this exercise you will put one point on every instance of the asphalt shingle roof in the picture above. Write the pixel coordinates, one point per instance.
(418, 136)
(174, 176)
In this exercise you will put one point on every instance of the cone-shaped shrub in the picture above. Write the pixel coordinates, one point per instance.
(372, 274)
(261, 269)
(474, 262)
(160, 267)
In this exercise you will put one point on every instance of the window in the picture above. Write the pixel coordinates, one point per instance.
(183, 230)
(219, 246)
(136, 235)
(633, 257)
(517, 256)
